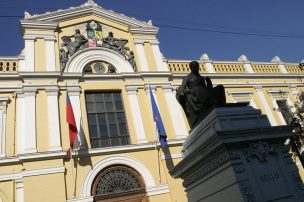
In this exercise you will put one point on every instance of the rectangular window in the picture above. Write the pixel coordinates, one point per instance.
(107, 120)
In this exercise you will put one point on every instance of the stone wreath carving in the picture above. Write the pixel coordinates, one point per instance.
(260, 150)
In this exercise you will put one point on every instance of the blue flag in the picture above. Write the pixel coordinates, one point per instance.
(159, 122)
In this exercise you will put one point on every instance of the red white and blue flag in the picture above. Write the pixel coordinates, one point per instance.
(74, 142)
(158, 121)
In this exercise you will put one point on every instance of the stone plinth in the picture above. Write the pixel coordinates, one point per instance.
(235, 155)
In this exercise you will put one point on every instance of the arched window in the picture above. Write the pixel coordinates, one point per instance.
(119, 183)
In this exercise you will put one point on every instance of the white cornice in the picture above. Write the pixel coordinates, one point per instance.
(31, 172)
(151, 41)
(71, 13)
(45, 25)
(157, 190)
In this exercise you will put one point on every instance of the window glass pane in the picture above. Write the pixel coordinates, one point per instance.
(99, 97)
(113, 130)
(103, 129)
(111, 118)
(93, 131)
(99, 107)
(92, 119)
(118, 105)
(90, 107)
(102, 119)
(90, 98)
(108, 97)
(121, 117)
(116, 96)
(109, 107)
(123, 129)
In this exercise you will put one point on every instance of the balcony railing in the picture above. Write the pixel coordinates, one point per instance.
(110, 141)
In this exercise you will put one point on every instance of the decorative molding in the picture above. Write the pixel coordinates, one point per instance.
(151, 41)
(206, 169)
(157, 190)
(78, 61)
(113, 160)
(82, 199)
(260, 150)
(171, 156)
(31, 172)
(247, 194)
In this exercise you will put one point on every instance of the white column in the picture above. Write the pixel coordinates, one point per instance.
(175, 112)
(53, 118)
(74, 94)
(282, 68)
(19, 190)
(30, 138)
(143, 64)
(29, 53)
(50, 53)
(3, 106)
(136, 115)
(209, 66)
(20, 125)
(248, 67)
(265, 105)
(158, 56)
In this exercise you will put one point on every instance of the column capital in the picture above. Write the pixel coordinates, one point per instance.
(30, 91)
(52, 91)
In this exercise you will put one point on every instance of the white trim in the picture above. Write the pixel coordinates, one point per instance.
(177, 119)
(113, 160)
(78, 61)
(20, 121)
(82, 199)
(157, 190)
(20, 189)
(3, 112)
(53, 119)
(158, 58)
(262, 98)
(31, 172)
(171, 156)
(136, 115)
(50, 55)
(29, 55)
(30, 138)
(143, 64)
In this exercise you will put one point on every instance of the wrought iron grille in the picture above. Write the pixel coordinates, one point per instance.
(116, 181)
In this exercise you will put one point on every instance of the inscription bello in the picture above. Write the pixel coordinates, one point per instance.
(270, 177)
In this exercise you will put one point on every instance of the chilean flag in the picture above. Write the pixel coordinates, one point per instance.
(72, 125)
(159, 122)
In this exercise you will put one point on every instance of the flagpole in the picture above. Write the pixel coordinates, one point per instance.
(156, 140)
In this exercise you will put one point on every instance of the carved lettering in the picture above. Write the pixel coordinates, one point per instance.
(270, 177)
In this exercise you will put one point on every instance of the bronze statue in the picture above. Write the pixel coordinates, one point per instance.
(73, 46)
(197, 96)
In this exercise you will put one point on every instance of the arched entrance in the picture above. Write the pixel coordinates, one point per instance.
(119, 183)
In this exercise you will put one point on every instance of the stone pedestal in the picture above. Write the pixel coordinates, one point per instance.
(235, 155)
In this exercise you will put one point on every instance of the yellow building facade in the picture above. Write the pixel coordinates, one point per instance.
(107, 79)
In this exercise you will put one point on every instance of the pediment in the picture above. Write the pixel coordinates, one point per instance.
(87, 9)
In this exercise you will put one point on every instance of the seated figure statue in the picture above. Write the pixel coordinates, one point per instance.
(197, 96)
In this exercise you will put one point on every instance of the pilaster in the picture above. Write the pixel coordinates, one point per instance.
(50, 53)
(158, 56)
(143, 64)
(265, 104)
(19, 190)
(178, 122)
(29, 53)
(136, 115)
(53, 119)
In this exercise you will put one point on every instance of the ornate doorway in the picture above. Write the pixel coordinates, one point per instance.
(119, 183)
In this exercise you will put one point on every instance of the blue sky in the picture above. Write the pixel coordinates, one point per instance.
(224, 29)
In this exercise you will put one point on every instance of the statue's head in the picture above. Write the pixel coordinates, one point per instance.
(77, 31)
(111, 34)
(194, 66)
